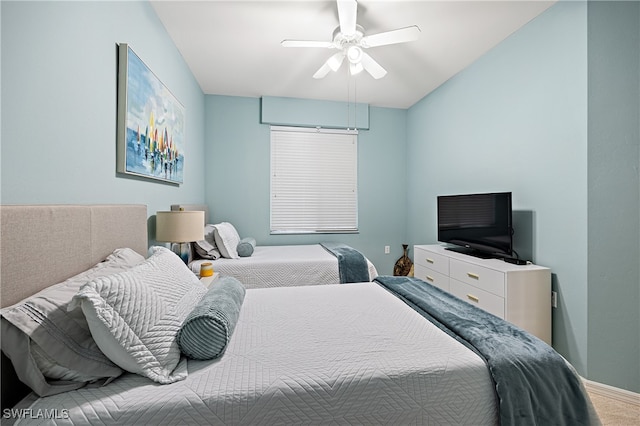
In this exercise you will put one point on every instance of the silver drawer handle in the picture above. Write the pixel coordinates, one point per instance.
(429, 278)
(429, 260)
(473, 298)
(474, 276)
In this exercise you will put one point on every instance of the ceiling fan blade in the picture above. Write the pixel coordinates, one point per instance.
(332, 64)
(306, 43)
(401, 35)
(347, 15)
(372, 67)
(322, 72)
(335, 61)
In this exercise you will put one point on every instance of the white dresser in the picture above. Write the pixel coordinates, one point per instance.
(520, 294)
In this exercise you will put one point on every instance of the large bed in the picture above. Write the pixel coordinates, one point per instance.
(332, 354)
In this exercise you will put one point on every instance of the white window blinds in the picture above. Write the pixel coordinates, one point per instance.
(314, 174)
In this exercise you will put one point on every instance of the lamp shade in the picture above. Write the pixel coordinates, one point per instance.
(180, 226)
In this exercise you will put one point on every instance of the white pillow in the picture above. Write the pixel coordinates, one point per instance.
(135, 316)
(41, 324)
(227, 240)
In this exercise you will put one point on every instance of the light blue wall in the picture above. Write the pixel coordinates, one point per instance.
(552, 114)
(311, 113)
(59, 80)
(522, 118)
(237, 176)
(614, 199)
(516, 120)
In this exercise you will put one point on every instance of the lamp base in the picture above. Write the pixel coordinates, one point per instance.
(182, 250)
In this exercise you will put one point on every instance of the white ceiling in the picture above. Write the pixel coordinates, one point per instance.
(233, 47)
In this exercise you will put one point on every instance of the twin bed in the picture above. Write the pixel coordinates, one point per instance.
(362, 353)
(283, 266)
(276, 266)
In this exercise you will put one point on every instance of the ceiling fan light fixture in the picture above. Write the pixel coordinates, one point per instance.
(354, 53)
(350, 40)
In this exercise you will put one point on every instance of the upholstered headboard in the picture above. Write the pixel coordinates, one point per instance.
(42, 245)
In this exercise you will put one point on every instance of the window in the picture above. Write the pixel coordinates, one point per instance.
(314, 180)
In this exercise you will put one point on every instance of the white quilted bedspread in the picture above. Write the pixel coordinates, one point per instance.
(340, 354)
(282, 266)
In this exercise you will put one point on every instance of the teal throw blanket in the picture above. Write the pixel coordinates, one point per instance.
(534, 384)
(352, 265)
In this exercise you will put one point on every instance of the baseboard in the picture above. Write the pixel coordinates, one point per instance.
(618, 394)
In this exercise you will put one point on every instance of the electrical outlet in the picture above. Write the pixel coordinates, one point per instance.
(387, 249)
(554, 299)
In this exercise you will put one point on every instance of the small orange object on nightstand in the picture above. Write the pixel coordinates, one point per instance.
(206, 269)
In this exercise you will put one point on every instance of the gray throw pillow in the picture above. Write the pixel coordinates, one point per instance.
(207, 330)
(206, 249)
(246, 247)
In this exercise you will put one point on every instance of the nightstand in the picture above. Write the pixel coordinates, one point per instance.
(208, 281)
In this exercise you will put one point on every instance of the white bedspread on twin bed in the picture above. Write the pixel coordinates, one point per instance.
(281, 266)
(343, 354)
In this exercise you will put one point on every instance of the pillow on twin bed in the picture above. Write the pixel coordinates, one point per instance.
(246, 247)
(40, 325)
(227, 240)
(206, 249)
(134, 316)
(208, 328)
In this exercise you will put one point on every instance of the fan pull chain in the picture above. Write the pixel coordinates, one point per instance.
(355, 103)
(348, 101)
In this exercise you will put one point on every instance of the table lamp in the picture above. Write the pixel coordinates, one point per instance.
(180, 227)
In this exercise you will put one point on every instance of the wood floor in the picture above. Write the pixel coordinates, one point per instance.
(613, 412)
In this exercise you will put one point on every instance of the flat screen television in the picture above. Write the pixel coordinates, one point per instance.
(477, 224)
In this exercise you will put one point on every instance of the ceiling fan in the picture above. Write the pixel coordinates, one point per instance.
(350, 40)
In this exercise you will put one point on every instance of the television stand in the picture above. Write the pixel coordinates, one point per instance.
(520, 294)
(472, 252)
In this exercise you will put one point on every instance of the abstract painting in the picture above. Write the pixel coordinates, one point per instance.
(151, 123)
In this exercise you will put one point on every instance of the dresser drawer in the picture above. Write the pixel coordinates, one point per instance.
(432, 277)
(480, 298)
(431, 260)
(484, 278)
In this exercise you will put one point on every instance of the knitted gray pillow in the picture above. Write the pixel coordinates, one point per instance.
(206, 331)
(246, 246)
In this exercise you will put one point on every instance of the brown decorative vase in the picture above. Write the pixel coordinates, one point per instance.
(404, 264)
